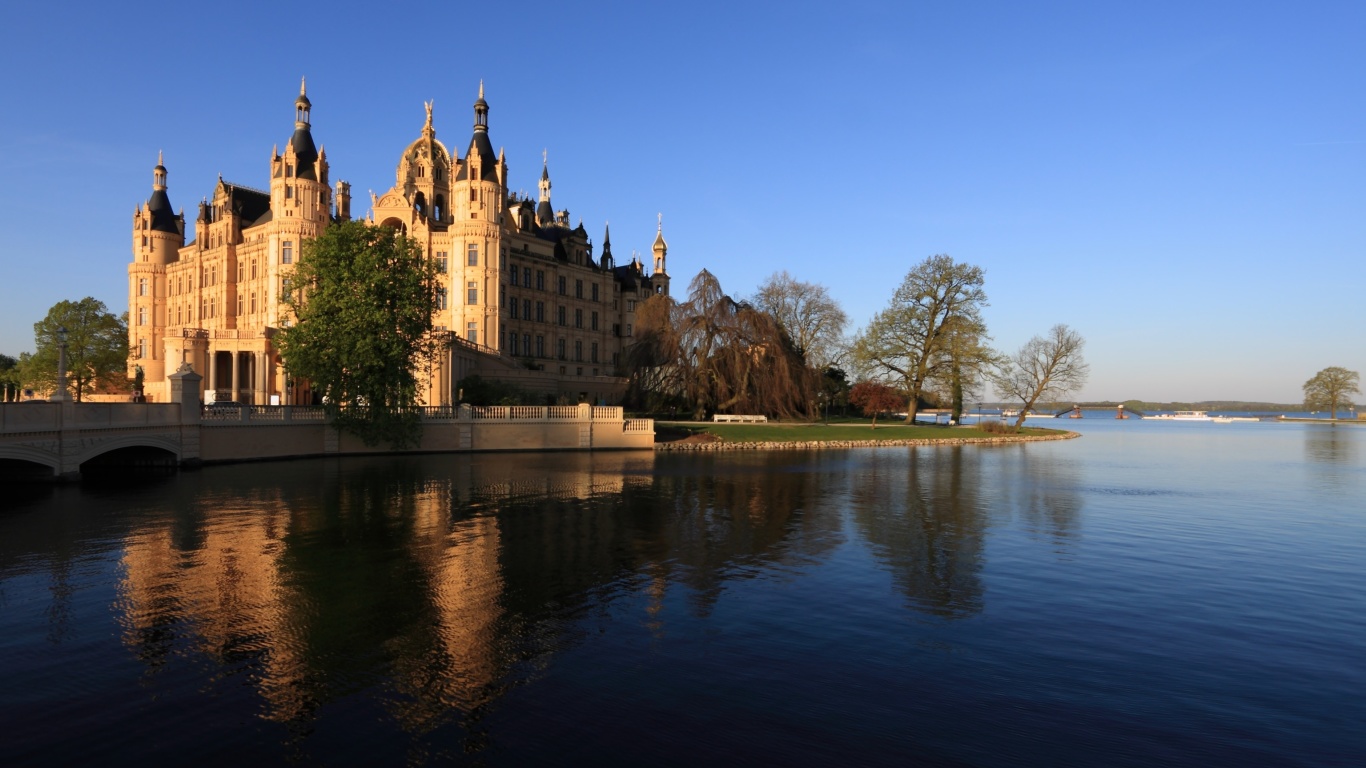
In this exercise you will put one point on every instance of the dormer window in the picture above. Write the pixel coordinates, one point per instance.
(289, 171)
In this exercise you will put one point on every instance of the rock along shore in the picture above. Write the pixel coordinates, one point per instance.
(822, 444)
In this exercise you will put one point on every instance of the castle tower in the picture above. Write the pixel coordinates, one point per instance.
(545, 215)
(158, 234)
(661, 249)
(479, 195)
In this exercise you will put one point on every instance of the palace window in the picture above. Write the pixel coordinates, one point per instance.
(142, 348)
(562, 283)
(512, 344)
(578, 289)
(540, 279)
(578, 351)
(540, 346)
(560, 348)
(287, 252)
(253, 302)
(561, 315)
(471, 293)
(595, 352)
(440, 298)
(578, 318)
(472, 255)
(253, 269)
(628, 329)
(142, 286)
(512, 308)
(241, 304)
(595, 291)
(540, 311)
(472, 332)
(289, 193)
(441, 262)
(526, 344)
(526, 276)
(514, 275)
(595, 321)
(526, 309)
(630, 305)
(142, 315)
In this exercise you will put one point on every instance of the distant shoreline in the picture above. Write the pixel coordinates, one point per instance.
(722, 445)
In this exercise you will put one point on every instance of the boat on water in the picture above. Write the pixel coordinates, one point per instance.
(1231, 419)
(1181, 416)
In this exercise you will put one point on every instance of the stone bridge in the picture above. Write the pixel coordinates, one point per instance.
(66, 440)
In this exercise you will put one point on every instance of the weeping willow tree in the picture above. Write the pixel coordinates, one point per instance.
(712, 354)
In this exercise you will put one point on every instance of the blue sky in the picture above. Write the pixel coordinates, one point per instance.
(1183, 183)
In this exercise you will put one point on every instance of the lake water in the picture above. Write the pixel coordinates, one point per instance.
(1148, 594)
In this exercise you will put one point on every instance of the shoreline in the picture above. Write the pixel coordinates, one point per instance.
(720, 445)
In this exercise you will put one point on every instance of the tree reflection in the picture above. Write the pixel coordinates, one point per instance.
(1330, 445)
(923, 521)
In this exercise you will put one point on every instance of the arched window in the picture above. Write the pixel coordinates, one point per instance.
(439, 205)
(420, 203)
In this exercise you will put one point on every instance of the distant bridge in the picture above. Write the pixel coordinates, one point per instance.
(1119, 410)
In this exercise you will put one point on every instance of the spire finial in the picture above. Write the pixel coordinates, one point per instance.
(481, 87)
(545, 158)
(661, 222)
(303, 86)
(159, 162)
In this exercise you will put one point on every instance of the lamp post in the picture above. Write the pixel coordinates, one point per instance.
(61, 395)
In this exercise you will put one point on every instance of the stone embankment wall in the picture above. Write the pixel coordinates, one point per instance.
(823, 444)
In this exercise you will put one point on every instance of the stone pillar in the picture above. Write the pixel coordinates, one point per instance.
(262, 380)
(236, 377)
(185, 391)
(213, 370)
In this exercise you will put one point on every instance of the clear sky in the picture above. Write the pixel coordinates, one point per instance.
(1182, 182)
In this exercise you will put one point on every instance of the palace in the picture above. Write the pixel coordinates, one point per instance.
(524, 299)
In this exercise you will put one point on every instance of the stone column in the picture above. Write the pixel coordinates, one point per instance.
(236, 377)
(213, 370)
(185, 391)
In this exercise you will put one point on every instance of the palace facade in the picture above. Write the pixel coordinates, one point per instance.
(524, 298)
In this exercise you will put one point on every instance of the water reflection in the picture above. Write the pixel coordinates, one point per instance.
(1044, 493)
(924, 521)
(449, 581)
(1330, 444)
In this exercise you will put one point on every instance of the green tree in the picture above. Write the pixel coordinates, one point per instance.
(1049, 366)
(96, 349)
(362, 299)
(1329, 388)
(928, 330)
(9, 379)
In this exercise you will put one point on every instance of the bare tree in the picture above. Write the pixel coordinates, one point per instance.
(712, 353)
(1046, 366)
(912, 343)
(1329, 389)
(812, 319)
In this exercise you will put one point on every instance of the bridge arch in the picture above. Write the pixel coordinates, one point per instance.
(25, 470)
(164, 443)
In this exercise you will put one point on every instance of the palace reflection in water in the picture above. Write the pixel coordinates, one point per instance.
(454, 576)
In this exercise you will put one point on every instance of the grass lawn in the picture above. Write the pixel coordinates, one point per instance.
(787, 432)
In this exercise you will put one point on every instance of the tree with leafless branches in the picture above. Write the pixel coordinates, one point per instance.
(1047, 366)
(713, 354)
(812, 319)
